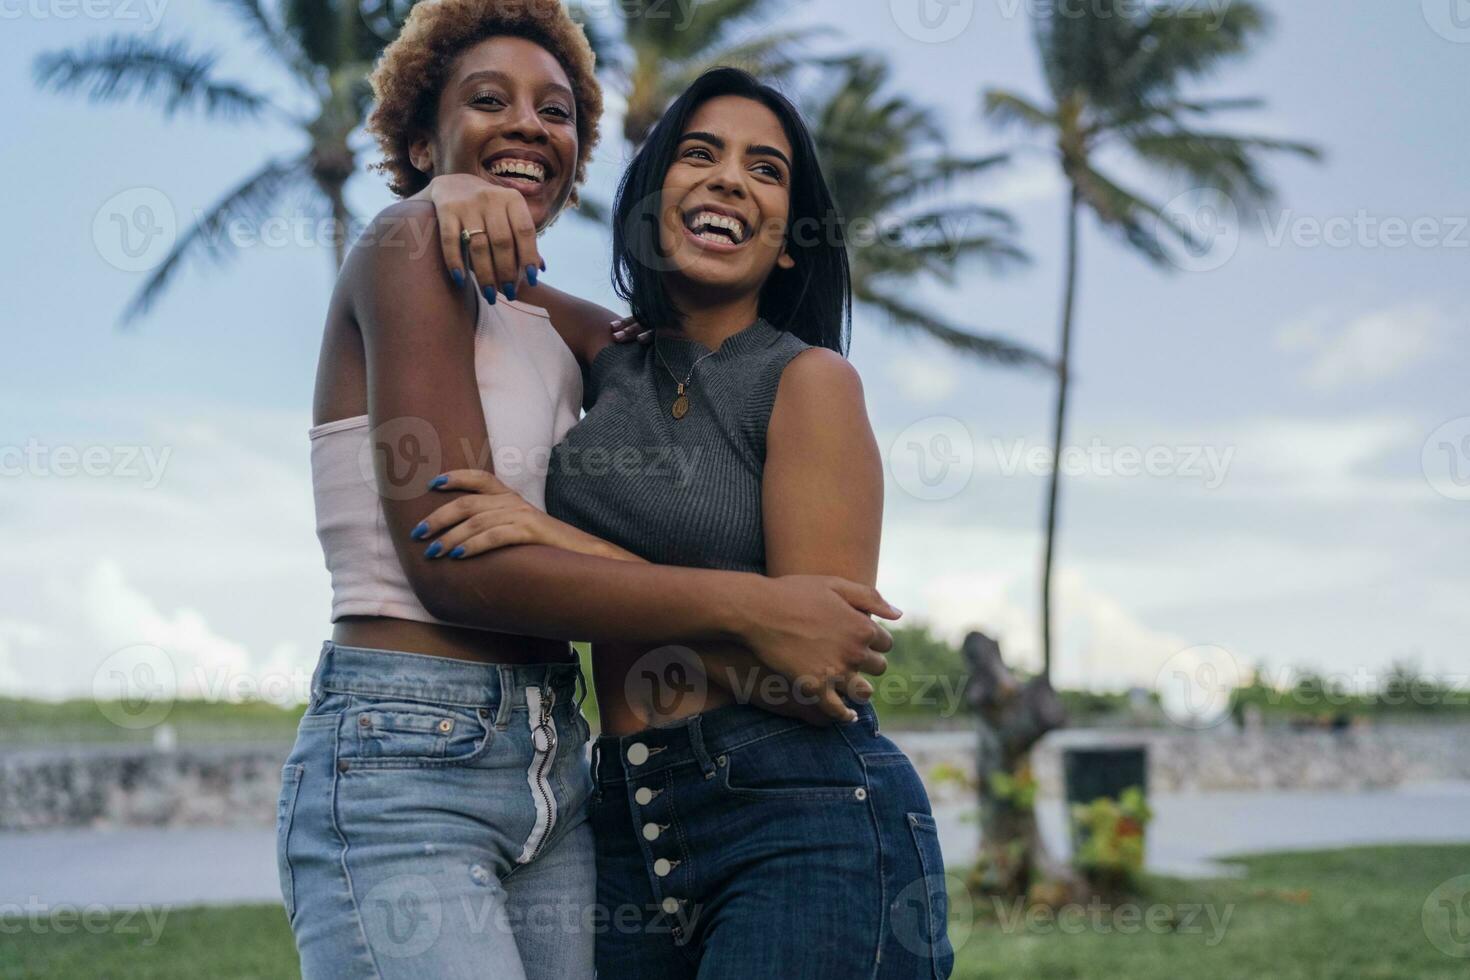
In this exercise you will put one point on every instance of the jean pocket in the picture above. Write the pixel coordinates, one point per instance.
(405, 734)
(924, 904)
(285, 815)
(803, 764)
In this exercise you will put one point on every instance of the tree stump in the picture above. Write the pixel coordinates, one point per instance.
(1013, 716)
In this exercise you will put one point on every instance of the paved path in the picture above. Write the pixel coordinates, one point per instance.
(192, 866)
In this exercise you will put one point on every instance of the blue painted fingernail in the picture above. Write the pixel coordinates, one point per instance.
(420, 532)
(489, 292)
(457, 276)
(458, 551)
(438, 482)
(434, 550)
(509, 289)
(531, 274)
(543, 265)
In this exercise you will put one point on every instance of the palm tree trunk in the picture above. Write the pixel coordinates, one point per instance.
(1059, 424)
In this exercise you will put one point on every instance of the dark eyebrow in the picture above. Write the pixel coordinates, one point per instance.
(758, 149)
(501, 78)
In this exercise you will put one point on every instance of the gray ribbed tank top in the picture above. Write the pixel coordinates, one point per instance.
(675, 491)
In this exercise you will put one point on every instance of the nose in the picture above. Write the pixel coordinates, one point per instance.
(523, 121)
(728, 178)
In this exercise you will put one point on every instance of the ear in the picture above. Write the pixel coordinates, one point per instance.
(785, 261)
(421, 155)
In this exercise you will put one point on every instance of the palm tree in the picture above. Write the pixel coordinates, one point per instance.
(889, 168)
(1115, 76)
(326, 48)
(656, 48)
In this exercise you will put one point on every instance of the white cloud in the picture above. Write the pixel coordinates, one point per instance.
(1364, 350)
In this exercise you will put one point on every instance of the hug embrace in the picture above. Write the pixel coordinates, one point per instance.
(501, 468)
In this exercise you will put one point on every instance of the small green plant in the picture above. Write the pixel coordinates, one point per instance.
(1110, 838)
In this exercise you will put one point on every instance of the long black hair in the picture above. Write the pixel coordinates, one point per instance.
(813, 300)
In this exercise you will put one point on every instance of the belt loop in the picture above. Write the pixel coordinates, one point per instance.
(696, 744)
(316, 675)
(508, 691)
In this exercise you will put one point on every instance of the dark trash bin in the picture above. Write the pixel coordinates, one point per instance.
(1093, 773)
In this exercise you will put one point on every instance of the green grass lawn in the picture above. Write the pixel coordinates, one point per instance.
(1351, 914)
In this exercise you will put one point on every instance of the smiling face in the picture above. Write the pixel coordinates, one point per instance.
(726, 199)
(507, 115)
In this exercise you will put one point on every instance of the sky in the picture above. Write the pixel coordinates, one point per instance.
(1272, 460)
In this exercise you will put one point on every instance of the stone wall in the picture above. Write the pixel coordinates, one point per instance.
(224, 785)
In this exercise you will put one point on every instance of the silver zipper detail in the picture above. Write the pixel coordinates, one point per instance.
(543, 742)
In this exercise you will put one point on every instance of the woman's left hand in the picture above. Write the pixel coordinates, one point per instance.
(626, 330)
(491, 516)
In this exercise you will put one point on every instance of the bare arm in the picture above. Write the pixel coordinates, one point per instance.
(419, 346)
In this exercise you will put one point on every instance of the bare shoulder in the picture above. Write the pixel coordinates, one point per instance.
(404, 235)
(584, 326)
(816, 380)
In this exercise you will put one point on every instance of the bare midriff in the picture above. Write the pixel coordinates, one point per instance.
(454, 642)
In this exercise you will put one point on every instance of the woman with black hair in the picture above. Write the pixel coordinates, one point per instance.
(738, 833)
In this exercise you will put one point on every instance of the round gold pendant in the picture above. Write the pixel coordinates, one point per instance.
(681, 406)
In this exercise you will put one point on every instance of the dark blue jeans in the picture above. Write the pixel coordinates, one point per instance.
(739, 844)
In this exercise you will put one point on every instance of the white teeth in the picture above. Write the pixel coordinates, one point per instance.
(709, 219)
(511, 167)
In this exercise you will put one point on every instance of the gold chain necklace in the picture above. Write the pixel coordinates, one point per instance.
(681, 401)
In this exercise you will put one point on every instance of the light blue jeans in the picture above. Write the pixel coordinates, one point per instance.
(432, 821)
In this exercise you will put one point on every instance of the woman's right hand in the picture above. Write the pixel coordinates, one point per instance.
(506, 254)
(817, 632)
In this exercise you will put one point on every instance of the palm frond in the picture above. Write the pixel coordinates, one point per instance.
(134, 67)
(281, 45)
(1221, 161)
(252, 201)
(1139, 220)
(1007, 109)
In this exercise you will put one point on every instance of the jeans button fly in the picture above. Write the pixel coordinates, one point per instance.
(662, 867)
(637, 753)
(650, 831)
(644, 796)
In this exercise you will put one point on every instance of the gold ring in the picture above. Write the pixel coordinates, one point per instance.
(466, 235)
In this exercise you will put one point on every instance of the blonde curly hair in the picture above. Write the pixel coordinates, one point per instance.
(413, 70)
